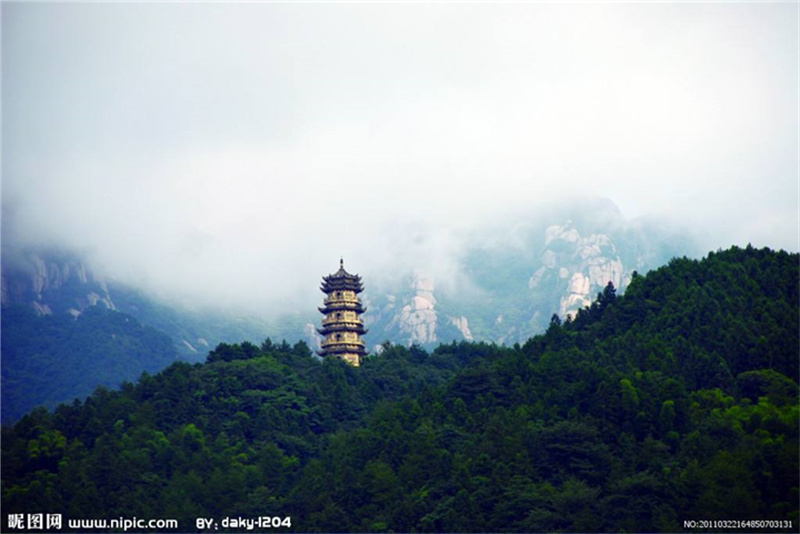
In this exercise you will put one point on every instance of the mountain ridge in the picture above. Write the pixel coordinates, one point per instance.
(511, 279)
(669, 402)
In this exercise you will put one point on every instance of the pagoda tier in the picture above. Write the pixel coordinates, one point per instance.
(335, 348)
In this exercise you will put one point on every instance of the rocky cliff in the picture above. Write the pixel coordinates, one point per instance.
(580, 266)
(416, 321)
(520, 274)
(53, 283)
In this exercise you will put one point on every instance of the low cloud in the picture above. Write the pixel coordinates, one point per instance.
(217, 153)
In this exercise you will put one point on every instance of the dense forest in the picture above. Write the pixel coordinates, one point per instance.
(675, 401)
(54, 358)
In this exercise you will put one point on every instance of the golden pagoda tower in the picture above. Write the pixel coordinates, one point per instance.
(342, 326)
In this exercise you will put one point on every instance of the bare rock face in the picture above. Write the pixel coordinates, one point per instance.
(312, 337)
(412, 315)
(417, 320)
(561, 232)
(549, 259)
(537, 276)
(463, 326)
(50, 275)
(584, 265)
(53, 285)
(95, 299)
(41, 309)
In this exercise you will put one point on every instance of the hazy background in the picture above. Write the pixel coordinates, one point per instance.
(231, 153)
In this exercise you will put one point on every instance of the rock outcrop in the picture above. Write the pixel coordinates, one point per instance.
(312, 337)
(53, 285)
(417, 320)
(463, 326)
(583, 265)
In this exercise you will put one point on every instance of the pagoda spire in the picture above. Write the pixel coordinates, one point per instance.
(342, 325)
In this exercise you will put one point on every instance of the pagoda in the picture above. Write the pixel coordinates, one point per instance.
(342, 326)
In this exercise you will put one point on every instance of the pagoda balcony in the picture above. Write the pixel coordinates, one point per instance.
(332, 345)
(334, 320)
(334, 300)
(343, 349)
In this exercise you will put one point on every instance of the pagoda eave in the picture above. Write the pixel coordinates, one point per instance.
(329, 329)
(360, 351)
(342, 306)
(329, 288)
(343, 276)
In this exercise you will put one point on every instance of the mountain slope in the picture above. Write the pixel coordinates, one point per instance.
(67, 330)
(52, 359)
(56, 282)
(671, 402)
(510, 280)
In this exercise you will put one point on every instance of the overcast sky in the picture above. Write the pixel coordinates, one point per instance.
(216, 148)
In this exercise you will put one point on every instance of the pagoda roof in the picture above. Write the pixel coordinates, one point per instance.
(341, 274)
(341, 279)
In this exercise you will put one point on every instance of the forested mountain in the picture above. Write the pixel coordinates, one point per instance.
(675, 401)
(51, 359)
(552, 261)
(56, 282)
(66, 331)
